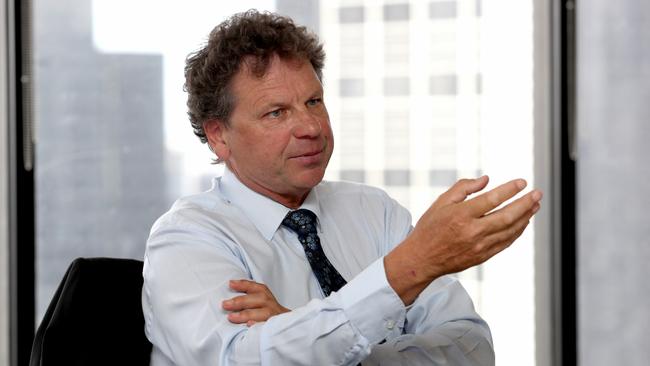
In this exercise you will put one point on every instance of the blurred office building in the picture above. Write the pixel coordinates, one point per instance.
(100, 175)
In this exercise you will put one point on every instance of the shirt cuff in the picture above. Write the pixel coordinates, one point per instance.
(372, 306)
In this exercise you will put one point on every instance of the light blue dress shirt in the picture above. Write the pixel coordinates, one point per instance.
(232, 232)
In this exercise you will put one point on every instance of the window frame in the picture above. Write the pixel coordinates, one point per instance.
(554, 173)
(20, 184)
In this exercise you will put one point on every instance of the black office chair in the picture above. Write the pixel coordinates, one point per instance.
(95, 317)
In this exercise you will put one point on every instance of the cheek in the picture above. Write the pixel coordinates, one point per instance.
(327, 132)
(269, 150)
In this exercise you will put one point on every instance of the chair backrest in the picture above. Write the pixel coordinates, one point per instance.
(95, 317)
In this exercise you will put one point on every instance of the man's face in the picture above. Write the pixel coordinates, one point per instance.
(279, 140)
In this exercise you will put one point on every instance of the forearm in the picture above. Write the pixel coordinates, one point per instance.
(318, 333)
(340, 329)
(405, 272)
(458, 343)
(442, 329)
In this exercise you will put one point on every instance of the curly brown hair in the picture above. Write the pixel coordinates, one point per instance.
(254, 37)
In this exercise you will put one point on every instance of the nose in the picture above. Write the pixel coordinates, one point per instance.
(307, 125)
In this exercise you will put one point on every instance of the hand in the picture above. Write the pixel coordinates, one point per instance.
(455, 234)
(257, 305)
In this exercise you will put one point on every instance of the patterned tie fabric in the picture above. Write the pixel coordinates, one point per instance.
(303, 223)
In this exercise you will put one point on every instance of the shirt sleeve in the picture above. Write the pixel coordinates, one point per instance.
(442, 327)
(186, 278)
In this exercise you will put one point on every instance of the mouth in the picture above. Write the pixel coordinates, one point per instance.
(311, 153)
(309, 157)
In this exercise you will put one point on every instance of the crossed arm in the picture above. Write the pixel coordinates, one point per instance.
(454, 234)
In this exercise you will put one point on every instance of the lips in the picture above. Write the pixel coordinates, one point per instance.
(309, 157)
(312, 153)
(308, 153)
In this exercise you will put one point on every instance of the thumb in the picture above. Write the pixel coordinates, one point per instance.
(463, 188)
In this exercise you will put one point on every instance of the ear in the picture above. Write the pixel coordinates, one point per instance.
(217, 133)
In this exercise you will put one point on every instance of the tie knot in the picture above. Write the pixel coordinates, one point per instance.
(301, 221)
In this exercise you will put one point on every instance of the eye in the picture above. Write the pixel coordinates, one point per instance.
(314, 102)
(275, 113)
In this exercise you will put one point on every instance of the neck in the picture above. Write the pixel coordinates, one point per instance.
(289, 200)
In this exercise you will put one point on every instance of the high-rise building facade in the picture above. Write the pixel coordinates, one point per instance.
(100, 178)
(424, 92)
(404, 97)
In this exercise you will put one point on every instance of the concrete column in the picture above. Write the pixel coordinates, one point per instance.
(613, 182)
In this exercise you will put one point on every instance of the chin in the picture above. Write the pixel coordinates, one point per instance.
(312, 178)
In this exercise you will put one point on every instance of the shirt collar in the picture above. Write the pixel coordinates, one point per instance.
(265, 213)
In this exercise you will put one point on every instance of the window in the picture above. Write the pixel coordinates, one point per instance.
(397, 178)
(444, 177)
(396, 86)
(351, 87)
(353, 175)
(396, 12)
(442, 9)
(415, 101)
(442, 84)
(351, 14)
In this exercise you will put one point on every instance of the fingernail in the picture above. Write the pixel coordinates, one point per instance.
(226, 303)
(521, 184)
(537, 195)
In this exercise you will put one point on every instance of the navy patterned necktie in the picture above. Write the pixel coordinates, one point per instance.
(303, 223)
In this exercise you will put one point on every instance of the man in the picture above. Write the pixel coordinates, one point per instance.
(274, 266)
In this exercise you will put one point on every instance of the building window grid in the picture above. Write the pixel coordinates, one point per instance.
(351, 14)
(351, 87)
(443, 84)
(443, 10)
(442, 53)
(351, 51)
(352, 139)
(397, 51)
(397, 12)
(396, 148)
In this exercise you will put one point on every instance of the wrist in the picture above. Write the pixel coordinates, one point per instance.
(405, 271)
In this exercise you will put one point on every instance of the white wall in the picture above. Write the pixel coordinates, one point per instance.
(613, 182)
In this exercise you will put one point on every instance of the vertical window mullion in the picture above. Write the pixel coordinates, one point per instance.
(21, 185)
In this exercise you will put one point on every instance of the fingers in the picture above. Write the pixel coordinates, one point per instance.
(250, 316)
(463, 188)
(257, 305)
(244, 302)
(503, 239)
(248, 308)
(247, 286)
(488, 201)
(506, 217)
(257, 294)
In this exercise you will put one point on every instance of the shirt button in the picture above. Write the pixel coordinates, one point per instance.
(390, 324)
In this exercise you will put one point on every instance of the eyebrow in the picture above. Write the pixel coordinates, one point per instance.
(270, 103)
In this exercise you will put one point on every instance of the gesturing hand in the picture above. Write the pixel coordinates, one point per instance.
(455, 233)
(257, 305)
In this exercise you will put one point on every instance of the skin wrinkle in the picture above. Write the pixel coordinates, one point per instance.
(281, 157)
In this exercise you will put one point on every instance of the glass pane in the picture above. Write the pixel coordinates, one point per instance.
(448, 94)
(420, 93)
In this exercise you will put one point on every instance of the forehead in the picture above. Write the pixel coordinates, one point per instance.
(279, 75)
